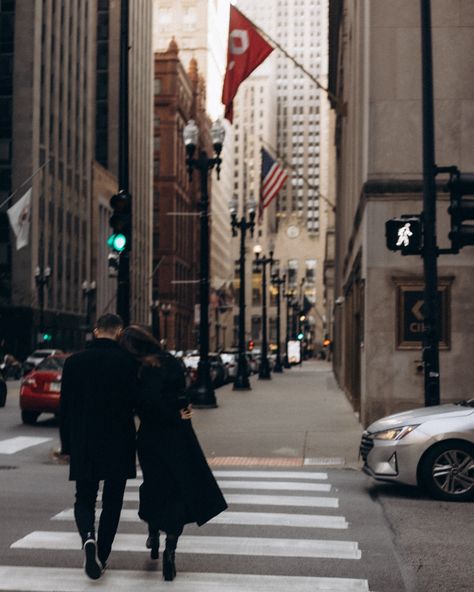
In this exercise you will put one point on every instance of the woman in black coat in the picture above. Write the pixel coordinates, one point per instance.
(178, 487)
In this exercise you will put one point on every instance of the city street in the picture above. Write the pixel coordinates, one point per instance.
(301, 515)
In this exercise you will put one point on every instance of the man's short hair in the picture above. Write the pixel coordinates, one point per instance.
(109, 322)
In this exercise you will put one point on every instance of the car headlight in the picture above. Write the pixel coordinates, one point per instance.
(394, 433)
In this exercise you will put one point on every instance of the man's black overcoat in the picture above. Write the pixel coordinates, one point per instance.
(179, 486)
(97, 412)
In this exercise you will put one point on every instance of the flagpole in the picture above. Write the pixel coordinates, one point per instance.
(290, 57)
(24, 183)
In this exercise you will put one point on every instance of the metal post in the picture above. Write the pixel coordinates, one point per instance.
(264, 370)
(286, 361)
(242, 382)
(123, 280)
(204, 395)
(431, 312)
(278, 282)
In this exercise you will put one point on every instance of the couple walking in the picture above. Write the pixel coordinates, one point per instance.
(124, 373)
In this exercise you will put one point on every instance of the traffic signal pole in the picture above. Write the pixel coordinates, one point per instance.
(430, 249)
(123, 283)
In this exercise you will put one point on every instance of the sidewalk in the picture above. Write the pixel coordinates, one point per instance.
(300, 417)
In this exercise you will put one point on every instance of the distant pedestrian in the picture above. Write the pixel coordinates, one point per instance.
(178, 486)
(98, 432)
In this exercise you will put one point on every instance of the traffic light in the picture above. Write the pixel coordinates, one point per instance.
(121, 222)
(461, 187)
(251, 345)
(300, 336)
(404, 234)
(47, 337)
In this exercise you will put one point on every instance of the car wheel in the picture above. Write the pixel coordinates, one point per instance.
(447, 471)
(29, 417)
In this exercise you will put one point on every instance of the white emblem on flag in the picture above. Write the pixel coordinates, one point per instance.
(19, 215)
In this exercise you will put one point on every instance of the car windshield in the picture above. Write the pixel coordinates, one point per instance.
(51, 364)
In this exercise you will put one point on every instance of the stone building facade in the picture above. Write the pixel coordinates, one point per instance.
(179, 96)
(375, 70)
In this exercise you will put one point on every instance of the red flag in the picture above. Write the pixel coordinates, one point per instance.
(246, 50)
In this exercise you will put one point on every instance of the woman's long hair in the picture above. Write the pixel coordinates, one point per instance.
(141, 344)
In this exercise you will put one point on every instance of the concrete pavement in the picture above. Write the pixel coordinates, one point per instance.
(300, 417)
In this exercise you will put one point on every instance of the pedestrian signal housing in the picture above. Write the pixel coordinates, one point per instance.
(404, 234)
(461, 209)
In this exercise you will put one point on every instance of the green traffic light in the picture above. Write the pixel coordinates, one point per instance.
(117, 242)
(47, 337)
(300, 336)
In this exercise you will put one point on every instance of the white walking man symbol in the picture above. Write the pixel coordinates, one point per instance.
(404, 234)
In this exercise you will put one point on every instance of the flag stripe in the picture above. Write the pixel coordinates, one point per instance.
(274, 177)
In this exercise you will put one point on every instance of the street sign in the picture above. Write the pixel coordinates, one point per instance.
(411, 317)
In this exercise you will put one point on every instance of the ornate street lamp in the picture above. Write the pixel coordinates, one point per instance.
(278, 282)
(242, 382)
(262, 261)
(203, 395)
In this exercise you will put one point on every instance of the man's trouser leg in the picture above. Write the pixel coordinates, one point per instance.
(84, 508)
(112, 500)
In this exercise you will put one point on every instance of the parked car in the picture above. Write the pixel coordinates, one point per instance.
(40, 389)
(3, 392)
(230, 360)
(432, 447)
(222, 373)
(191, 362)
(37, 357)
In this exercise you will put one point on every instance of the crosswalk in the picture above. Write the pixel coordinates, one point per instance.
(298, 520)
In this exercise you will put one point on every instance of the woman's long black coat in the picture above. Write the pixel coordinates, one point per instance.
(97, 412)
(178, 485)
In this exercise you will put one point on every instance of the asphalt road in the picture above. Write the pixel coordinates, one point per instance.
(349, 533)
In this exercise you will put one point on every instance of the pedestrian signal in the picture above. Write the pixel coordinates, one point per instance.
(404, 234)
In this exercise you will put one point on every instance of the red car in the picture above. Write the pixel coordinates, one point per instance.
(41, 388)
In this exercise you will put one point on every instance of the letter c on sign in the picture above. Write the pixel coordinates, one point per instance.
(243, 37)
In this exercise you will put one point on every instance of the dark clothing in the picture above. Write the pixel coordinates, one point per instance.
(84, 512)
(97, 412)
(178, 486)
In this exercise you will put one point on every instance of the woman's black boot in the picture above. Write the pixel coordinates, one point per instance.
(169, 566)
(153, 543)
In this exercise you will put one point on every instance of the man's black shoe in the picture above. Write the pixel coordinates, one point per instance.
(92, 565)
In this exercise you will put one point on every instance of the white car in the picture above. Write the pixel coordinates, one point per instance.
(432, 447)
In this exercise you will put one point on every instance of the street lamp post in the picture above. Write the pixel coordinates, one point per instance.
(155, 319)
(262, 261)
(203, 395)
(242, 382)
(165, 311)
(288, 295)
(88, 292)
(42, 277)
(278, 282)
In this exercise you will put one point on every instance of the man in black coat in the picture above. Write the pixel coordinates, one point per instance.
(98, 432)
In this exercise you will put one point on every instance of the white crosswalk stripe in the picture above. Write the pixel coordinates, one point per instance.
(255, 506)
(48, 579)
(13, 445)
(246, 518)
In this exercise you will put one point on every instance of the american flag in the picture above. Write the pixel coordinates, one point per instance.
(273, 178)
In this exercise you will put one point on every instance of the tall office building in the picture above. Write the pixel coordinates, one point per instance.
(51, 77)
(299, 220)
